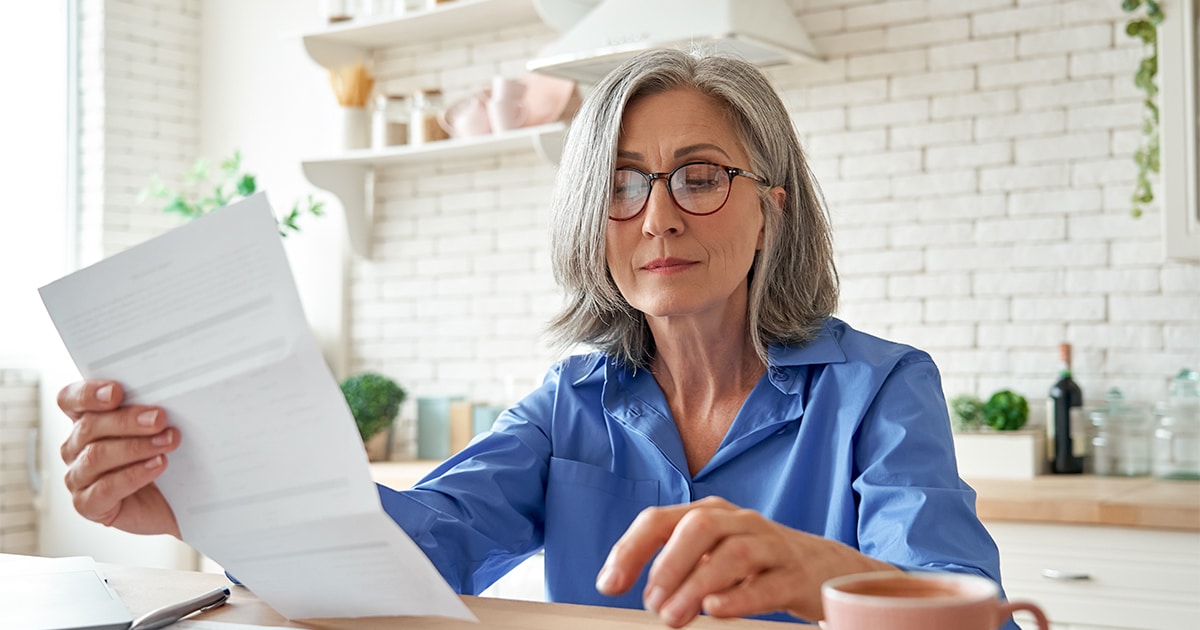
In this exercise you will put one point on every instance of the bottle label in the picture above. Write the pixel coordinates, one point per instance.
(1079, 433)
(1080, 437)
(1050, 430)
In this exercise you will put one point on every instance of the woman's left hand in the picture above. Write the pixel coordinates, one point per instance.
(727, 562)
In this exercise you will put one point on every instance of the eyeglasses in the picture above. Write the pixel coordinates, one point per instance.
(698, 188)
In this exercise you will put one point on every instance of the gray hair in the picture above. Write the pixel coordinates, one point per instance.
(793, 280)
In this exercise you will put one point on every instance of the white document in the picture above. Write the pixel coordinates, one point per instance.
(270, 479)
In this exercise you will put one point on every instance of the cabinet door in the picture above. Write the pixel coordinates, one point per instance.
(1105, 577)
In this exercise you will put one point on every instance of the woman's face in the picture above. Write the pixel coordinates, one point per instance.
(666, 262)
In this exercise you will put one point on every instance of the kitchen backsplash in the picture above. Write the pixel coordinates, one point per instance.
(18, 421)
(975, 157)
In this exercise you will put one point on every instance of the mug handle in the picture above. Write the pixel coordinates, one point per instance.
(1006, 610)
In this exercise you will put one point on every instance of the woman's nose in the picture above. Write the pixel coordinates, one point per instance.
(662, 215)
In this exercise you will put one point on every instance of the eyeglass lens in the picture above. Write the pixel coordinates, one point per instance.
(698, 188)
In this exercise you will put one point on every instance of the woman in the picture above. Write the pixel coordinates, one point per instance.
(727, 448)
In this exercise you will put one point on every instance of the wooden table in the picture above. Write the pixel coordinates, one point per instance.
(144, 589)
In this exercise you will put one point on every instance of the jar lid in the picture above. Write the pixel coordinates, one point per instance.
(1117, 411)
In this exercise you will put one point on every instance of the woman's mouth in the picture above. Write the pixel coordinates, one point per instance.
(667, 265)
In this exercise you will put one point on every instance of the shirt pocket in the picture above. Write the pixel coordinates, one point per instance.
(587, 510)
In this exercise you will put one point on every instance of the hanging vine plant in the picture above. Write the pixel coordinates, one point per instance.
(1145, 27)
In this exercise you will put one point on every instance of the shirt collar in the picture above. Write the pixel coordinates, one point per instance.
(786, 370)
(787, 366)
(824, 348)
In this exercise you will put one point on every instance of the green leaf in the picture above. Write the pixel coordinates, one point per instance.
(1154, 10)
(1006, 411)
(232, 165)
(1146, 157)
(246, 185)
(199, 171)
(179, 206)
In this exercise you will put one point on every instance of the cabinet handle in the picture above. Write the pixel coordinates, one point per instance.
(1055, 574)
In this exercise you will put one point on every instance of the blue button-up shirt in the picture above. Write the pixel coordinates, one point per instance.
(846, 437)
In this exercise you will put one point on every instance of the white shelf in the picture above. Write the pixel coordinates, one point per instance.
(348, 175)
(353, 40)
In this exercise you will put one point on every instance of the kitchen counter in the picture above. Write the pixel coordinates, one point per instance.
(1090, 500)
(1066, 499)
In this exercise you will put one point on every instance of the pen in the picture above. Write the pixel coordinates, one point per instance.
(168, 615)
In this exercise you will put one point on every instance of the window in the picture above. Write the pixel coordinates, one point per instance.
(33, 217)
(1179, 65)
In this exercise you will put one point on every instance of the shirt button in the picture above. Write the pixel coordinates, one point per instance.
(778, 375)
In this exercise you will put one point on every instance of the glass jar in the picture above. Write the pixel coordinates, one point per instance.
(1120, 437)
(1177, 430)
(389, 124)
(424, 126)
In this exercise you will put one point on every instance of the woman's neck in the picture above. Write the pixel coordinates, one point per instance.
(709, 358)
(706, 376)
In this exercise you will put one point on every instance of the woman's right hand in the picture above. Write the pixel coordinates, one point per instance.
(113, 456)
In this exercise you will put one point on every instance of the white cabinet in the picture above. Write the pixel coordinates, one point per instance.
(526, 581)
(1096, 577)
(349, 175)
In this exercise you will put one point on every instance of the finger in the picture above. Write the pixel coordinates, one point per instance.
(764, 593)
(644, 537)
(91, 395)
(123, 422)
(710, 550)
(735, 560)
(103, 457)
(101, 501)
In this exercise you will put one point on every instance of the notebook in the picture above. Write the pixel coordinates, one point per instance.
(58, 594)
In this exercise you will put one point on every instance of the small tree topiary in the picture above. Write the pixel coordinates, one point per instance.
(374, 401)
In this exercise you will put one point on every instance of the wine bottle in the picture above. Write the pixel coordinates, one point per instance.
(1062, 421)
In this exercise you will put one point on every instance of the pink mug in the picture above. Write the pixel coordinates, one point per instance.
(917, 601)
(466, 118)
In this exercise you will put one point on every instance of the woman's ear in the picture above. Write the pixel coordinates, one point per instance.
(778, 197)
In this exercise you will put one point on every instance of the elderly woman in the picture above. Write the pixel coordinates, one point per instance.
(729, 445)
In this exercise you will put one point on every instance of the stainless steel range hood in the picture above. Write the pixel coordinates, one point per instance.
(763, 32)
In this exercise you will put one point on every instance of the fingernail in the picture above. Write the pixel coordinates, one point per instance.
(673, 613)
(604, 581)
(104, 394)
(147, 418)
(162, 439)
(154, 462)
(653, 599)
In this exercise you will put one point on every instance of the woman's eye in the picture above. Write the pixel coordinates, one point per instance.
(624, 191)
(701, 183)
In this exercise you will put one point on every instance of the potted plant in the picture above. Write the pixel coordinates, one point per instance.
(203, 192)
(990, 439)
(966, 412)
(374, 401)
(1005, 411)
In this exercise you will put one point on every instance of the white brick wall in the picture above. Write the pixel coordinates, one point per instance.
(975, 157)
(18, 421)
(139, 88)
